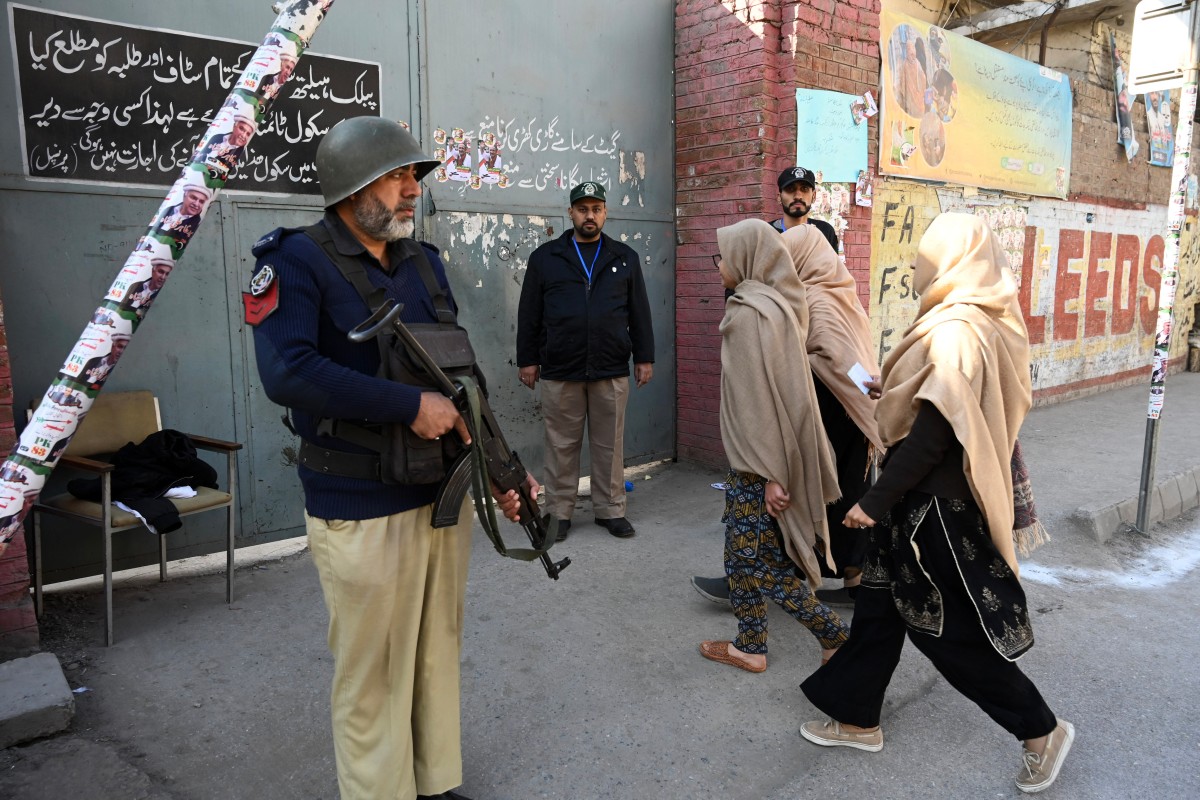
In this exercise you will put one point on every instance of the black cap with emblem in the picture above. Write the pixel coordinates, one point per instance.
(588, 190)
(796, 175)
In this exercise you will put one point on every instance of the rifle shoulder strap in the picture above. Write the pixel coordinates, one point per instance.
(351, 268)
(354, 272)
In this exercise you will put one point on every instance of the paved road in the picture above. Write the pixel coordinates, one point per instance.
(592, 687)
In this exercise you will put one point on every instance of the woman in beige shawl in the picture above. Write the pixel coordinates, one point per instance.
(781, 471)
(839, 337)
(941, 564)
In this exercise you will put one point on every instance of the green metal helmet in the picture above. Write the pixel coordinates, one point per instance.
(358, 150)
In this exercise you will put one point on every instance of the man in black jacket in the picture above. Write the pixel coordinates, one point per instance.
(797, 190)
(583, 312)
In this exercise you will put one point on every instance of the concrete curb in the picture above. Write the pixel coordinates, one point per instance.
(36, 700)
(1172, 497)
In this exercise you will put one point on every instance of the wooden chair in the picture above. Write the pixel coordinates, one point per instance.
(114, 420)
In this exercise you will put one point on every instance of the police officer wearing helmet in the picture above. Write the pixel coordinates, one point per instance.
(394, 585)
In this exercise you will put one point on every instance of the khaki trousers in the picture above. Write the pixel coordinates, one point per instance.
(566, 405)
(394, 588)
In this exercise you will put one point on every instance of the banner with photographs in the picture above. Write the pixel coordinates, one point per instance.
(1160, 128)
(114, 103)
(958, 111)
(1124, 102)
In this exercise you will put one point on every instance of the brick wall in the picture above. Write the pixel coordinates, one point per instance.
(18, 626)
(737, 66)
(1100, 171)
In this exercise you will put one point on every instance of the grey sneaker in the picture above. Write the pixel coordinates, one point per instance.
(1038, 772)
(715, 589)
(831, 734)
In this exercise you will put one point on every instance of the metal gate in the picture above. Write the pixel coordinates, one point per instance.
(566, 94)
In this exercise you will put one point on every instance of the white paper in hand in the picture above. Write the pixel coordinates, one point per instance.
(858, 373)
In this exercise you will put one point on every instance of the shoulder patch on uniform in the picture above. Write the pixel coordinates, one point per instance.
(263, 297)
(262, 280)
(268, 242)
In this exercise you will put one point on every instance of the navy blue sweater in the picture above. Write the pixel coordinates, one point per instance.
(307, 364)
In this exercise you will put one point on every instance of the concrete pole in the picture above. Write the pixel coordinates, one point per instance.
(126, 303)
(1170, 272)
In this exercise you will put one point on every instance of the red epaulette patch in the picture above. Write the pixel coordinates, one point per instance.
(263, 297)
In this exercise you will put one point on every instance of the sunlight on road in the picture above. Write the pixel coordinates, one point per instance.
(1160, 565)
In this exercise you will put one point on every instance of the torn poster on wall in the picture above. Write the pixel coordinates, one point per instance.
(1160, 128)
(1124, 103)
(494, 153)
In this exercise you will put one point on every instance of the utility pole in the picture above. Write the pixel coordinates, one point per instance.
(1148, 34)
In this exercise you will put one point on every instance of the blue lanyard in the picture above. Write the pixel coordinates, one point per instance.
(587, 270)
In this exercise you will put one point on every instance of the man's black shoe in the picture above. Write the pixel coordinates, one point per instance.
(617, 526)
(715, 589)
(443, 796)
(564, 528)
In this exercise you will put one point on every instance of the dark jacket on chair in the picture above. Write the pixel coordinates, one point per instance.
(144, 472)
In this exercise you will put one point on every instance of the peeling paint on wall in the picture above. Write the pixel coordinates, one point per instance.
(631, 176)
(1089, 277)
(900, 215)
(498, 239)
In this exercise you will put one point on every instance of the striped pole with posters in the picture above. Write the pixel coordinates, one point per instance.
(126, 302)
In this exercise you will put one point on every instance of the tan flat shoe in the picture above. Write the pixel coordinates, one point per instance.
(719, 651)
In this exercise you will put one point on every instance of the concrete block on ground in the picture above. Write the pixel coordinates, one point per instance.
(1156, 506)
(1127, 509)
(1172, 501)
(1189, 489)
(36, 700)
(1100, 522)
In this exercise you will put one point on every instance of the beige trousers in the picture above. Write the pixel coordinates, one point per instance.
(566, 405)
(394, 588)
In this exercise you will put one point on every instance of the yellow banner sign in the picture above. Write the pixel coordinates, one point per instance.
(958, 111)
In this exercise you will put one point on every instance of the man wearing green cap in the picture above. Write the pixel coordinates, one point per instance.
(583, 313)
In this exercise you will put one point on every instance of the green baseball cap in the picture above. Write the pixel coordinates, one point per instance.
(589, 190)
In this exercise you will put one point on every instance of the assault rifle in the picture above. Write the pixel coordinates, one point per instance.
(487, 459)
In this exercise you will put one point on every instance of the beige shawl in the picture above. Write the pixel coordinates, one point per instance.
(770, 423)
(839, 333)
(968, 354)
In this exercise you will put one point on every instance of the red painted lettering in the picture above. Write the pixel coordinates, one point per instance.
(1066, 285)
(1127, 275)
(1152, 274)
(1034, 322)
(1095, 320)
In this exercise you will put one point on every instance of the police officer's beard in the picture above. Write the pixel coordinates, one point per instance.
(379, 222)
(581, 231)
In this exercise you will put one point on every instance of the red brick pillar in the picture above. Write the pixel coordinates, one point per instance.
(737, 67)
(18, 625)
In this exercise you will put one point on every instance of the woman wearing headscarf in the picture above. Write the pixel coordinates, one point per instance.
(781, 471)
(839, 336)
(941, 564)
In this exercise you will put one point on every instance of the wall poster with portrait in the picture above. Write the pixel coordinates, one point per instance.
(958, 111)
